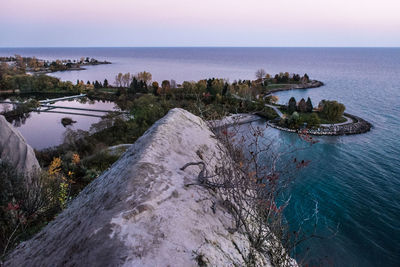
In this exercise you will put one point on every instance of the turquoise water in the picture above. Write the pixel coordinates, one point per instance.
(353, 180)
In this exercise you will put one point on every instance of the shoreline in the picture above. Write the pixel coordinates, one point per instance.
(309, 85)
(357, 126)
(352, 125)
(69, 69)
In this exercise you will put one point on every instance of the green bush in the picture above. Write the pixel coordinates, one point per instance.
(147, 110)
(100, 161)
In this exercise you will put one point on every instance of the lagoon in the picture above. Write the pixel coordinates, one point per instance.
(44, 129)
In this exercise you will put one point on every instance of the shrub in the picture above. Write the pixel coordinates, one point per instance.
(314, 120)
(147, 110)
(25, 204)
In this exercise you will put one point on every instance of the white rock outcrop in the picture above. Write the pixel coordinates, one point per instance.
(142, 213)
(15, 150)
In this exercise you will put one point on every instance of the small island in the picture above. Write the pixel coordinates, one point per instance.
(41, 66)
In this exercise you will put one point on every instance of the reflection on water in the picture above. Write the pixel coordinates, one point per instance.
(44, 129)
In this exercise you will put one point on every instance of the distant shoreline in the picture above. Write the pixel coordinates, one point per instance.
(310, 84)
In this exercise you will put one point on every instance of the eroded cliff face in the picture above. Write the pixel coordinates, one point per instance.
(141, 212)
(15, 150)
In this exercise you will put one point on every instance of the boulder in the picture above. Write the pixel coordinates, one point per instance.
(145, 211)
(15, 150)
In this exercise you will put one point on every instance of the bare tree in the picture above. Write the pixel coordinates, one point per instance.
(144, 76)
(173, 84)
(249, 182)
(260, 74)
(126, 79)
(118, 80)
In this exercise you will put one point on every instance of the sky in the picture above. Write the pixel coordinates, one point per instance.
(134, 23)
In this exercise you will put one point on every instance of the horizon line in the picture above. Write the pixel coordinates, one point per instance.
(1, 47)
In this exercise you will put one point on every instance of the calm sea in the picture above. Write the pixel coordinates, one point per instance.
(353, 181)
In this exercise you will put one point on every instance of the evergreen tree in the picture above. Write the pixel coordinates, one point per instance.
(306, 78)
(302, 107)
(225, 90)
(134, 86)
(292, 105)
(142, 87)
(309, 105)
(105, 83)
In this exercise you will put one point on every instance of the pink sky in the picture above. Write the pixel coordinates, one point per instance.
(199, 23)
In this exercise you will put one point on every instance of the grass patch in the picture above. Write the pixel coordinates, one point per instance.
(326, 121)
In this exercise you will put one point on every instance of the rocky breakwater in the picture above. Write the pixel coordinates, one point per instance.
(142, 211)
(357, 126)
(15, 150)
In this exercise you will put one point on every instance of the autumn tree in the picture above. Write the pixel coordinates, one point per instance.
(217, 86)
(201, 87)
(244, 91)
(126, 79)
(144, 76)
(19, 61)
(273, 99)
(118, 80)
(155, 86)
(165, 87)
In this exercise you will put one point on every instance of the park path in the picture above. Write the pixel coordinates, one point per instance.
(348, 120)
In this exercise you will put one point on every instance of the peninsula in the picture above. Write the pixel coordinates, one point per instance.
(41, 66)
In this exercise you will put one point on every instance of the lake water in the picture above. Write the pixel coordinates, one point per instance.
(354, 179)
(44, 129)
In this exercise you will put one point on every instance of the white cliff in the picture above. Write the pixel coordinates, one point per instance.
(141, 212)
(15, 150)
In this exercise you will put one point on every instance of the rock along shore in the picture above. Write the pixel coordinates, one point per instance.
(358, 126)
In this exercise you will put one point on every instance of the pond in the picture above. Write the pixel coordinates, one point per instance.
(44, 129)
